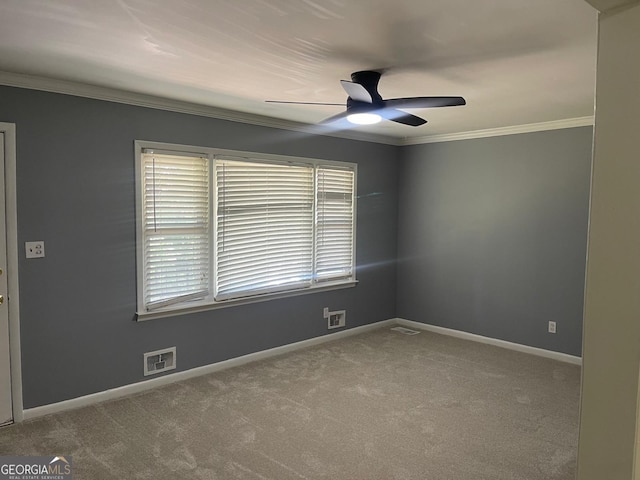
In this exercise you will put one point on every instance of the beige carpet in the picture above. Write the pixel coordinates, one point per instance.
(381, 405)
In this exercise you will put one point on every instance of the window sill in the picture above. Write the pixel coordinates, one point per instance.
(203, 307)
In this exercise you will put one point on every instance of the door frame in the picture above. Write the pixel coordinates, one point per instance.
(11, 231)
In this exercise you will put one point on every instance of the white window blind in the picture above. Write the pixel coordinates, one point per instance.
(334, 224)
(264, 227)
(176, 228)
(219, 227)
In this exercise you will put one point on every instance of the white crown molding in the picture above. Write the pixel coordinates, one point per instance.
(161, 103)
(500, 131)
(96, 92)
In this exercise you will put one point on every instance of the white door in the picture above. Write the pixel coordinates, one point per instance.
(6, 410)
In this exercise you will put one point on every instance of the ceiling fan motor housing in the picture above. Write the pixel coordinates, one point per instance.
(369, 80)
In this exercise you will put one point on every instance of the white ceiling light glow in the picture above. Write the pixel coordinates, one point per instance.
(364, 118)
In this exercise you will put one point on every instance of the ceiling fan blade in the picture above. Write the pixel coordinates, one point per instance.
(401, 117)
(356, 91)
(335, 118)
(305, 103)
(424, 102)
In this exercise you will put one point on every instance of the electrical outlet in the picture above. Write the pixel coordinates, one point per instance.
(34, 249)
(552, 327)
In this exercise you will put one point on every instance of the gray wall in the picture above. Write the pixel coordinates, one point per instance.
(492, 236)
(75, 180)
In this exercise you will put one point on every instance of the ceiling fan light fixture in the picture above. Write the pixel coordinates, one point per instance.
(364, 118)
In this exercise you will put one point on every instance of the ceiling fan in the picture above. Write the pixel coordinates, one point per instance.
(365, 106)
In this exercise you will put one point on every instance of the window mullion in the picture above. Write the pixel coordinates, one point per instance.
(213, 204)
(315, 223)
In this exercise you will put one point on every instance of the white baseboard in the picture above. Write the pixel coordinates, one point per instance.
(134, 388)
(562, 357)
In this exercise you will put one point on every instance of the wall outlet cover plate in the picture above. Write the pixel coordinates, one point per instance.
(34, 249)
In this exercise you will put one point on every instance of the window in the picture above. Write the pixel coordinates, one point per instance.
(176, 223)
(218, 227)
(264, 225)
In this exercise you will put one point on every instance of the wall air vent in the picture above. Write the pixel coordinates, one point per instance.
(405, 331)
(159, 361)
(336, 319)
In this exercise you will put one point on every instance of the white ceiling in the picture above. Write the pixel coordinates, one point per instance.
(515, 61)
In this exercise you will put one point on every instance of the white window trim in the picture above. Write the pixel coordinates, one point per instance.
(209, 304)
